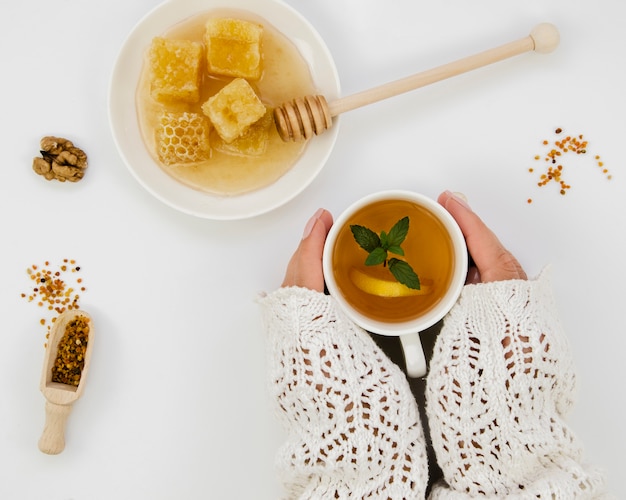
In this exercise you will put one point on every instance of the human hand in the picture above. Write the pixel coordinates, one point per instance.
(493, 261)
(305, 266)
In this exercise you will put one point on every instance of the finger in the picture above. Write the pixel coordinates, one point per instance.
(473, 276)
(493, 261)
(305, 266)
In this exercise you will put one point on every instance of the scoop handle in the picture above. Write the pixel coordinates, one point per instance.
(52, 441)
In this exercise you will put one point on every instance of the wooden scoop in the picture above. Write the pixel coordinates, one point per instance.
(304, 116)
(59, 396)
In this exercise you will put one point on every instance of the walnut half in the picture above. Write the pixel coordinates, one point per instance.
(60, 160)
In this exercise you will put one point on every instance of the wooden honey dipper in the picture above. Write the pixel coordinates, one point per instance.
(302, 117)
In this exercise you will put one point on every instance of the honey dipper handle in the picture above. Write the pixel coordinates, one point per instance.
(52, 440)
(544, 38)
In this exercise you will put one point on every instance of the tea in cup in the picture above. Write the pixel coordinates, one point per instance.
(396, 261)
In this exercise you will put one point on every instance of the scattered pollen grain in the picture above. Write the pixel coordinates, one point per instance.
(51, 291)
(555, 164)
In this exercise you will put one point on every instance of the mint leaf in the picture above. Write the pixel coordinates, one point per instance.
(396, 249)
(398, 232)
(384, 240)
(379, 247)
(376, 256)
(367, 239)
(404, 273)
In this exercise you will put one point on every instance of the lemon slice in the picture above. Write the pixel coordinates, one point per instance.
(386, 288)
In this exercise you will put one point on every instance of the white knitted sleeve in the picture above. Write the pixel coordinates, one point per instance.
(352, 422)
(500, 384)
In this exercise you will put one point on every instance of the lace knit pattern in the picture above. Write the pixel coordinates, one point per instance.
(500, 384)
(352, 422)
(501, 381)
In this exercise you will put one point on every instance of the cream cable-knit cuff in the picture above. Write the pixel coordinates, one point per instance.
(352, 422)
(501, 381)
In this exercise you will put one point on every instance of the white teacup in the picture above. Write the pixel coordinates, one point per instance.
(454, 269)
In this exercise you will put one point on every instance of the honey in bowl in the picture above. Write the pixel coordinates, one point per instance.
(372, 290)
(255, 159)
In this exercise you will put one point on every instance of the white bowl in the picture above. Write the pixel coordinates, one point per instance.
(125, 125)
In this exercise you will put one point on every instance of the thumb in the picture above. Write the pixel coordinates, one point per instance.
(493, 261)
(305, 266)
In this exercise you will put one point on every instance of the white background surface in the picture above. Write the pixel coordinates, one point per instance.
(176, 403)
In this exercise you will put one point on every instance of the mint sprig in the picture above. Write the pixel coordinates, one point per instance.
(380, 246)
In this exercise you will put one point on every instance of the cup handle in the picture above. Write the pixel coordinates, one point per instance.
(413, 355)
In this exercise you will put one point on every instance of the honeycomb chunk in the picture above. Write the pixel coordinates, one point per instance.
(234, 47)
(253, 142)
(175, 70)
(182, 138)
(233, 109)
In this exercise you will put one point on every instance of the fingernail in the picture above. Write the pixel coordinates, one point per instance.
(459, 198)
(311, 223)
